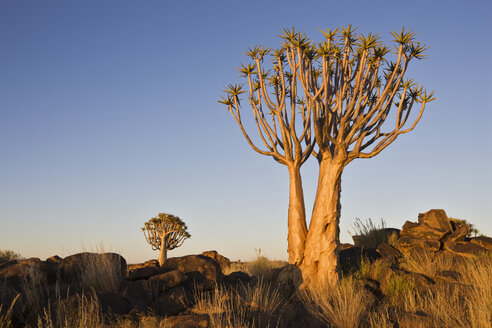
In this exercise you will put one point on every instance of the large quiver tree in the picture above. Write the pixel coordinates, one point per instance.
(360, 104)
(165, 232)
(283, 123)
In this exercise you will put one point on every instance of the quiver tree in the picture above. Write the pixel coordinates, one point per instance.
(283, 123)
(358, 103)
(165, 232)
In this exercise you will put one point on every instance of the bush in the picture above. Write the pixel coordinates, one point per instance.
(472, 230)
(370, 235)
(9, 255)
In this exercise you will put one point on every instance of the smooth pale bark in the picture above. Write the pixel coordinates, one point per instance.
(320, 264)
(163, 252)
(297, 228)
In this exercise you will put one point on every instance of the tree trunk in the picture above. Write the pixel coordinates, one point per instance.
(297, 228)
(163, 251)
(320, 263)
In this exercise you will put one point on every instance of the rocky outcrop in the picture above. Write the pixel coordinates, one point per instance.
(223, 261)
(203, 264)
(434, 232)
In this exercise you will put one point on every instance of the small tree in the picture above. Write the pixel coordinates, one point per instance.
(165, 232)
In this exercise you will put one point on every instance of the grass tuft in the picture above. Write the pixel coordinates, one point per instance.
(343, 306)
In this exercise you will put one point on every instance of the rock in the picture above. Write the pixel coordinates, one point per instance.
(186, 321)
(447, 276)
(420, 281)
(197, 281)
(387, 251)
(136, 291)
(203, 264)
(143, 270)
(436, 219)
(483, 241)
(459, 234)
(49, 270)
(464, 248)
(167, 280)
(290, 275)
(223, 261)
(172, 302)
(71, 267)
(14, 272)
(372, 286)
(350, 259)
(414, 320)
(344, 246)
(404, 243)
(359, 240)
(239, 275)
(54, 259)
(113, 303)
(422, 231)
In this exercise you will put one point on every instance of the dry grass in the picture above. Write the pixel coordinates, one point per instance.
(6, 316)
(468, 305)
(101, 273)
(254, 305)
(79, 312)
(370, 234)
(261, 266)
(343, 306)
(427, 262)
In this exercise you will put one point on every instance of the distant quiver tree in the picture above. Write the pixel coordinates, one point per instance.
(353, 102)
(165, 232)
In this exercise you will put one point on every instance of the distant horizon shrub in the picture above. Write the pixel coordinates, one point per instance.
(9, 255)
(472, 230)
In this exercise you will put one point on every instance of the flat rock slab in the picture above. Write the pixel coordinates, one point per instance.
(483, 241)
(464, 248)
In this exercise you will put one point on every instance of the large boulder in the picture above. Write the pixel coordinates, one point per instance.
(203, 264)
(167, 280)
(436, 219)
(16, 271)
(223, 261)
(113, 303)
(421, 231)
(173, 301)
(73, 266)
(143, 270)
(388, 252)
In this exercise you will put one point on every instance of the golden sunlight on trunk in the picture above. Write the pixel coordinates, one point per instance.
(297, 228)
(320, 264)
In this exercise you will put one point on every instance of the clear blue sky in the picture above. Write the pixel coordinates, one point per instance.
(108, 116)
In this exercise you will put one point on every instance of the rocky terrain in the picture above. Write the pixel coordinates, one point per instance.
(408, 259)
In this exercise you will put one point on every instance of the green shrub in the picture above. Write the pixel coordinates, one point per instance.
(399, 286)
